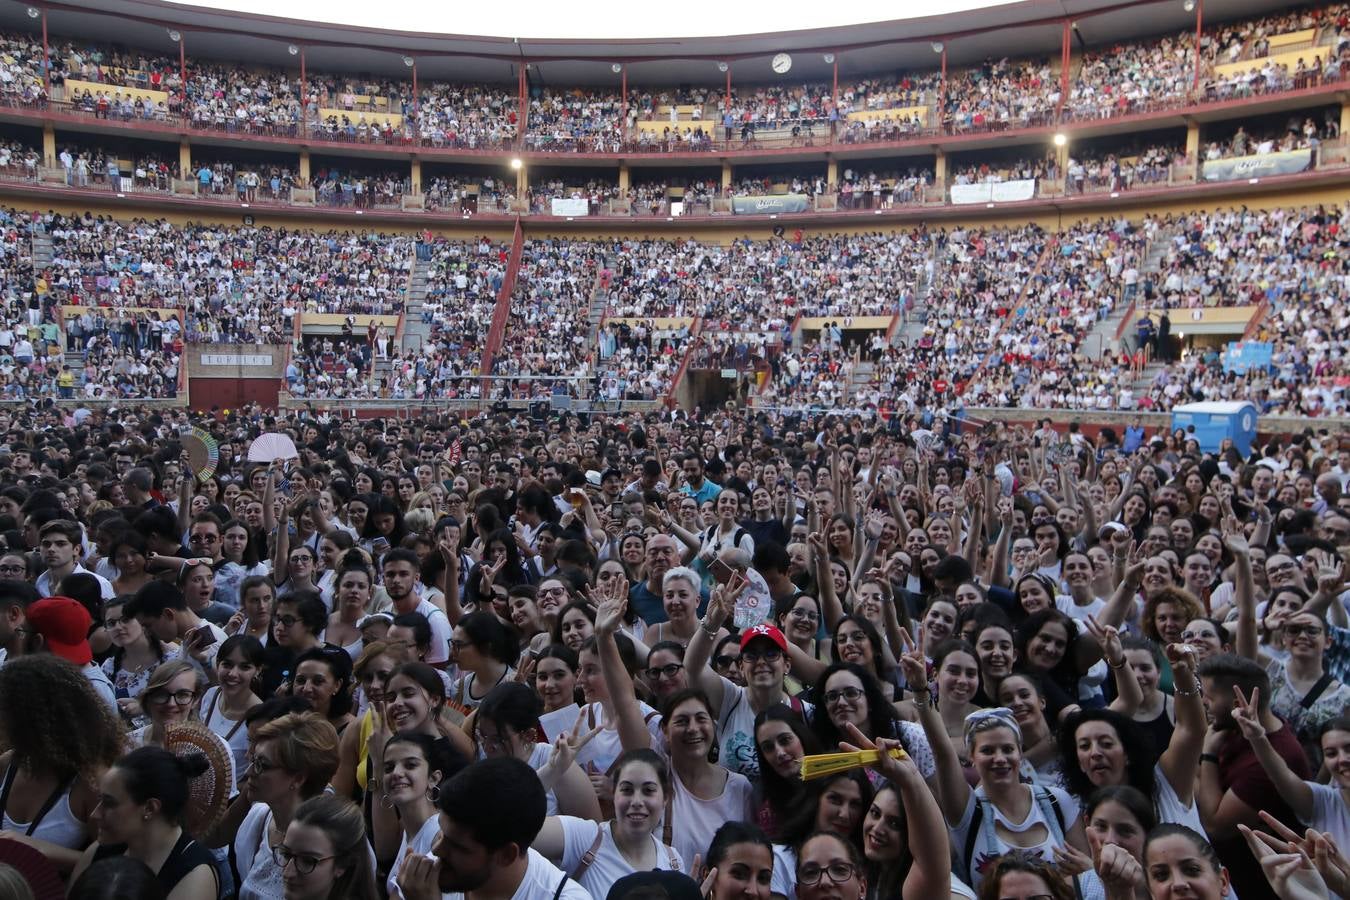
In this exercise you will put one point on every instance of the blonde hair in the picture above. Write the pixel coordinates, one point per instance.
(13, 886)
(307, 744)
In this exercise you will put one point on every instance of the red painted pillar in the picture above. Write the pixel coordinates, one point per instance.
(1199, 26)
(524, 105)
(46, 57)
(304, 96)
(182, 69)
(1065, 55)
(942, 88)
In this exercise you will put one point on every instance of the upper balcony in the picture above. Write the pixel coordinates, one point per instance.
(1107, 66)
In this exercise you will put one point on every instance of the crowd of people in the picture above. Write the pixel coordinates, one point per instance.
(1113, 79)
(560, 657)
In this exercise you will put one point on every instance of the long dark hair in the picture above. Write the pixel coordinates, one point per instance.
(779, 792)
(802, 820)
(880, 713)
(1140, 754)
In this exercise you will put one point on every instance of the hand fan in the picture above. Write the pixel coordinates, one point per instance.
(34, 868)
(819, 765)
(203, 453)
(208, 792)
(267, 447)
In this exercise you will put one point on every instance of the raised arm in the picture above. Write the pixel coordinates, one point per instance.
(830, 604)
(633, 731)
(281, 553)
(997, 575)
(448, 580)
(700, 649)
(1292, 788)
(186, 482)
(1118, 607)
(1182, 756)
(954, 790)
(1129, 696)
(1327, 600)
(1244, 596)
(269, 496)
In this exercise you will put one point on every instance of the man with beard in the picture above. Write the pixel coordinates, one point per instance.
(401, 570)
(1233, 786)
(490, 813)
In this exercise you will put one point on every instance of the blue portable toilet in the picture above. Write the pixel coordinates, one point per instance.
(1212, 422)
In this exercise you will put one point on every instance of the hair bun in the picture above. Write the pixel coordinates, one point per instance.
(193, 765)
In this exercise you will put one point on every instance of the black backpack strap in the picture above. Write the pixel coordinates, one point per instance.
(973, 835)
(562, 884)
(1316, 690)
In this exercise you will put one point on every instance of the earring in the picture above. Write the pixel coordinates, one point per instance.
(434, 793)
(386, 802)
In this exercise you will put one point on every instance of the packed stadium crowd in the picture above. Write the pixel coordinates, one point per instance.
(601, 656)
(1113, 79)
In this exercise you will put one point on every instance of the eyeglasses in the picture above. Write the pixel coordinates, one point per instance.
(209, 539)
(1281, 568)
(805, 614)
(181, 698)
(303, 864)
(115, 621)
(13, 570)
(849, 693)
(725, 661)
(301, 558)
(459, 645)
(1296, 630)
(552, 592)
(287, 621)
(1189, 636)
(670, 670)
(260, 766)
(837, 872)
(768, 654)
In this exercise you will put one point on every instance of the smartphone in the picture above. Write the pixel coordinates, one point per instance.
(380, 544)
(721, 571)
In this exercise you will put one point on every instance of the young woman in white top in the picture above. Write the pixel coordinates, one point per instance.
(506, 723)
(703, 794)
(224, 706)
(1002, 814)
(596, 854)
(1100, 747)
(352, 593)
(49, 777)
(414, 765)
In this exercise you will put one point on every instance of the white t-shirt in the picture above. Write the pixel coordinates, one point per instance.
(697, 820)
(1330, 813)
(440, 632)
(599, 754)
(560, 721)
(609, 864)
(422, 843)
(253, 857)
(736, 725)
(1170, 808)
(102, 685)
(218, 637)
(541, 883)
(784, 879)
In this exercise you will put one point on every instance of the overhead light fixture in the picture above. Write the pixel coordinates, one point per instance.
(829, 59)
(1061, 139)
(516, 163)
(722, 67)
(174, 36)
(408, 61)
(616, 68)
(292, 49)
(937, 46)
(34, 12)
(1189, 6)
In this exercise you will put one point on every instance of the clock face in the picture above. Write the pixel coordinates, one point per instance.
(781, 63)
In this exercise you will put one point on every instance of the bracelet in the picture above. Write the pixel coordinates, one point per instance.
(1114, 666)
(1177, 691)
(1209, 758)
(710, 632)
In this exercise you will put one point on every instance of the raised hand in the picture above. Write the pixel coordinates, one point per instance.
(568, 744)
(1288, 869)
(1108, 638)
(1070, 861)
(1246, 712)
(1118, 869)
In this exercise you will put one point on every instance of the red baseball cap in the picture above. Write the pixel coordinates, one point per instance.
(64, 626)
(764, 631)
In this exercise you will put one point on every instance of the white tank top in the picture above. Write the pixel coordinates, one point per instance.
(57, 825)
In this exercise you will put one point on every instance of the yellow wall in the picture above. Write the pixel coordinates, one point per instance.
(1288, 58)
(75, 87)
(903, 112)
(356, 115)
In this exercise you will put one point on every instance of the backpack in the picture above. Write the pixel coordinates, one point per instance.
(979, 820)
